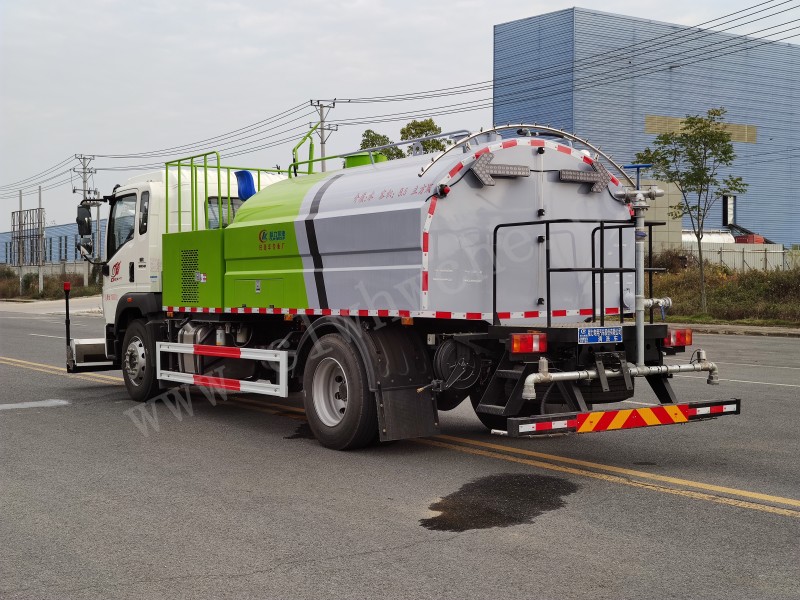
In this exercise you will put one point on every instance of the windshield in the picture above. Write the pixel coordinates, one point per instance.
(121, 223)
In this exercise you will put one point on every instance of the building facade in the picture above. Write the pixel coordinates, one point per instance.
(619, 81)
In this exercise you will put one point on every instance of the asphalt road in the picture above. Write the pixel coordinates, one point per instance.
(235, 501)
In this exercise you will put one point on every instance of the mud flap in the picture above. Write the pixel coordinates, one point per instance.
(402, 366)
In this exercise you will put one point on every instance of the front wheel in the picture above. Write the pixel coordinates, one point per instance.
(340, 409)
(139, 362)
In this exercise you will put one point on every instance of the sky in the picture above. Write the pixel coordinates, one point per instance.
(116, 77)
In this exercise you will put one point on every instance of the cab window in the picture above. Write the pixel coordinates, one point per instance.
(144, 208)
(121, 223)
(213, 211)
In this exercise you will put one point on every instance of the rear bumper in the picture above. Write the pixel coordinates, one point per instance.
(610, 420)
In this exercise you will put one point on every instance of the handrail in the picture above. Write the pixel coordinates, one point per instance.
(548, 269)
(295, 162)
(188, 162)
(536, 128)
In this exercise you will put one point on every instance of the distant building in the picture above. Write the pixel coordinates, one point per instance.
(59, 243)
(619, 81)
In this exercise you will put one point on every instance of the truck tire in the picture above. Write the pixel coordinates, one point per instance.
(138, 362)
(339, 406)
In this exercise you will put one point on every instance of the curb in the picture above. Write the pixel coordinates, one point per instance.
(740, 330)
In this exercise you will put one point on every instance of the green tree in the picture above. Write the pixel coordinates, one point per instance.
(373, 139)
(417, 129)
(692, 159)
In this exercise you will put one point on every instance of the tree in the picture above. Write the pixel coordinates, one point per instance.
(417, 129)
(373, 139)
(692, 159)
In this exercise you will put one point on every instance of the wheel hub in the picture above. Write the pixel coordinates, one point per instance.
(329, 392)
(135, 361)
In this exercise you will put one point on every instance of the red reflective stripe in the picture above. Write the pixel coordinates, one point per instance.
(585, 311)
(474, 316)
(605, 420)
(424, 281)
(564, 149)
(363, 313)
(405, 313)
(537, 143)
(481, 151)
(425, 236)
(715, 410)
(509, 143)
(344, 312)
(225, 351)
(544, 426)
(612, 311)
(217, 382)
(309, 311)
(454, 171)
(383, 313)
(662, 415)
(614, 180)
(559, 313)
(432, 207)
(248, 310)
(444, 315)
(504, 315)
(531, 314)
(588, 160)
(327, 311)
(292, 311)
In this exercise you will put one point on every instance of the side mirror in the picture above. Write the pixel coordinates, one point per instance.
(84, 221)
(85, 247)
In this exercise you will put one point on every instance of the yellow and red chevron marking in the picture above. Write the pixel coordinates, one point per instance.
(631, 418)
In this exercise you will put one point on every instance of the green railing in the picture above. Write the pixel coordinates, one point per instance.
(195, 167)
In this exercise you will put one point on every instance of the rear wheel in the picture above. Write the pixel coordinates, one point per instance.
(341, 410)
(139, 362)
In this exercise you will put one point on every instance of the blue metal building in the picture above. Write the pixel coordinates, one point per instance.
(619, 81)
(59, 243)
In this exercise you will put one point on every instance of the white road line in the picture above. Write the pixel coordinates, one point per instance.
(58, 337)
(743, 364)
(34, 404)
(792, 385)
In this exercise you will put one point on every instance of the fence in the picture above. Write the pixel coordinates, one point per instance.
(746, 257)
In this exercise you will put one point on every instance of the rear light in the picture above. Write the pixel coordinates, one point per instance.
(678, 338)
(526, 343)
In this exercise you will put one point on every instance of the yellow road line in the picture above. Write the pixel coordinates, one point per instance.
(15, 362)
(503, 452)
(58, 371)
(786, 512)
(623, 471)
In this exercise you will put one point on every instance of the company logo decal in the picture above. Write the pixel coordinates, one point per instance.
(115, 271)
(272, 240)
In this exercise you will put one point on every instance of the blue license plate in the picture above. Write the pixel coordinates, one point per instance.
(599, 335)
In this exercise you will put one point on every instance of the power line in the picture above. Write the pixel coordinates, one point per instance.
(668, 38)
(16, 184)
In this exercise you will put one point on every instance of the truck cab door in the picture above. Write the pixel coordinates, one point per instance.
(126, 247)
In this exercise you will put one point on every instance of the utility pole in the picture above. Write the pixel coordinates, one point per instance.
(20, 242)
(85, 173)
(324, 131)
(40, 242)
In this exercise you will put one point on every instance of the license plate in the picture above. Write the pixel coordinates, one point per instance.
(599, 335)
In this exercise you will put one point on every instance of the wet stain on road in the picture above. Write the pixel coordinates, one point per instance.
(499, 501)
(303, 432)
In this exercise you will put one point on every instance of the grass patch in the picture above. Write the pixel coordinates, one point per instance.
(53, 288)
(747, 298)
